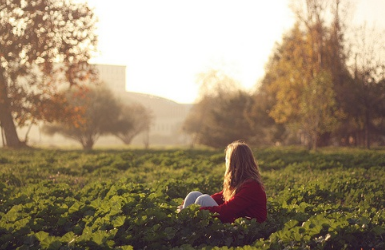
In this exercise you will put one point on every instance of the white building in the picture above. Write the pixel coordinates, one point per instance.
(114, 76)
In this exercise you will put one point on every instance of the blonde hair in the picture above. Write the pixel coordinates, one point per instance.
(240, 168)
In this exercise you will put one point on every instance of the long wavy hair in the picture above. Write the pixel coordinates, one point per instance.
(241, 167)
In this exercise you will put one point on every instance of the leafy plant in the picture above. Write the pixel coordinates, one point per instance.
(56, 199)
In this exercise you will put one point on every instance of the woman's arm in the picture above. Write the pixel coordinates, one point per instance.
(218, 197)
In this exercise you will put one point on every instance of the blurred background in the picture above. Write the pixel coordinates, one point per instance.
(190, 73)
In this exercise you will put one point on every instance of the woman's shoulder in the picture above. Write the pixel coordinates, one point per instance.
(251, 183)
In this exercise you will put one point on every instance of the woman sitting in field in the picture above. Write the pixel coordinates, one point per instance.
(243, 193)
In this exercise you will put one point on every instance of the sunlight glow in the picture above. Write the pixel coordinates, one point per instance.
(165, 44)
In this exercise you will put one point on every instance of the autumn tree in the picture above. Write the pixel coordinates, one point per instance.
(42, 43)
(318, 108)
(297, 64)
(99, 113)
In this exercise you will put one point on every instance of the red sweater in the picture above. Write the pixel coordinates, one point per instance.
(249, 201)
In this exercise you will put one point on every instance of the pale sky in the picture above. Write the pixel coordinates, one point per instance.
(165, 43)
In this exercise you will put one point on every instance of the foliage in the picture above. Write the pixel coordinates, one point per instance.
(219, 117)
(55, 199)
(98, 114)
(318, 109)
(42, 43)
(367, 86)
(346, 105)
(222, 122)
(136, 118)
(289, 77)
(302, 84)
(265, 131)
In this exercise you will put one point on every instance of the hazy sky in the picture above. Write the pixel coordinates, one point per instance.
(166, 43)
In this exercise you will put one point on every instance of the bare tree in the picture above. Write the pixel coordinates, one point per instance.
(367, 65)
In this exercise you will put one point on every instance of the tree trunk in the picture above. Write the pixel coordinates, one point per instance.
(2, 135)
(314, 141)
(89, 144)
(10, 134)
(367, 132)
(6, 119)
(146, 139)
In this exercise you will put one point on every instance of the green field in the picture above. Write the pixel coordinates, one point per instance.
(127, 199)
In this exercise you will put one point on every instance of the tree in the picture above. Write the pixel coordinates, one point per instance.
(228, 120)
(303, 58)
(213, 84)
(219, 117)
(39, 40)
(368, 68)
(197, 119)
(220, 122)
(99, 113)
(290, 71)
(138, 120)
(265, 131)
(318, 109)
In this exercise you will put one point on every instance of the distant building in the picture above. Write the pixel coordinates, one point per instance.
(114, 76)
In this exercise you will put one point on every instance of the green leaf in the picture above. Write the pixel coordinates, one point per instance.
(41, 235)
(126, 248)
(74, 208)
(68, 237)
(61, 221)
(99, 237)
(291, 224)
(96, 203)
(49, 241)
(119, 221)
(378, 230)
(170, 232)
(12, 214)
